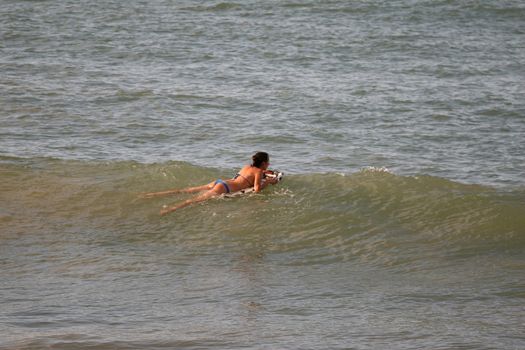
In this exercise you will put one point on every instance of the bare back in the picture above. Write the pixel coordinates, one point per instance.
(248, 176)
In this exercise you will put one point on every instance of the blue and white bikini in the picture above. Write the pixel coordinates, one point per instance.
(245, 179)
(224, 184)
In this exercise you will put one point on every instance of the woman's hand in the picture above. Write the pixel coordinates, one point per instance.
(272, 180)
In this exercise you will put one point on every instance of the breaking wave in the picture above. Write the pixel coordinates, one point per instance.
(373, 215)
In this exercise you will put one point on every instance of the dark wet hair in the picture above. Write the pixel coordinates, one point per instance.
(259, 158)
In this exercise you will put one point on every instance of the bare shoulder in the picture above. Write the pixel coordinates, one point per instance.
(247, 169)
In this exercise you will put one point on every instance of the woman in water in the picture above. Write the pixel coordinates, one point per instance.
(249, 176)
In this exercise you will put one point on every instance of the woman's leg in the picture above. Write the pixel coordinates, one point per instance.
(183, 190)
(215, 191)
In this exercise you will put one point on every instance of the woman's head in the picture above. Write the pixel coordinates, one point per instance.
(259, 158)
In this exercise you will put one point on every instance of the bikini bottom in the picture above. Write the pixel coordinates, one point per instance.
(223, 183)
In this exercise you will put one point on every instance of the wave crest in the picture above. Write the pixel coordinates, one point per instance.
(372, 215)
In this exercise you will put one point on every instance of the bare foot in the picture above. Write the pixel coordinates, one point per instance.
(165, 210)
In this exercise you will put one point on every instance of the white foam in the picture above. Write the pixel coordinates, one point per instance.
(374, 169)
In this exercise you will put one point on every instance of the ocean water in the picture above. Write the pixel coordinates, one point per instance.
(400, 126)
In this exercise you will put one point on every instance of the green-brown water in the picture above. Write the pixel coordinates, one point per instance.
(369, 259)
